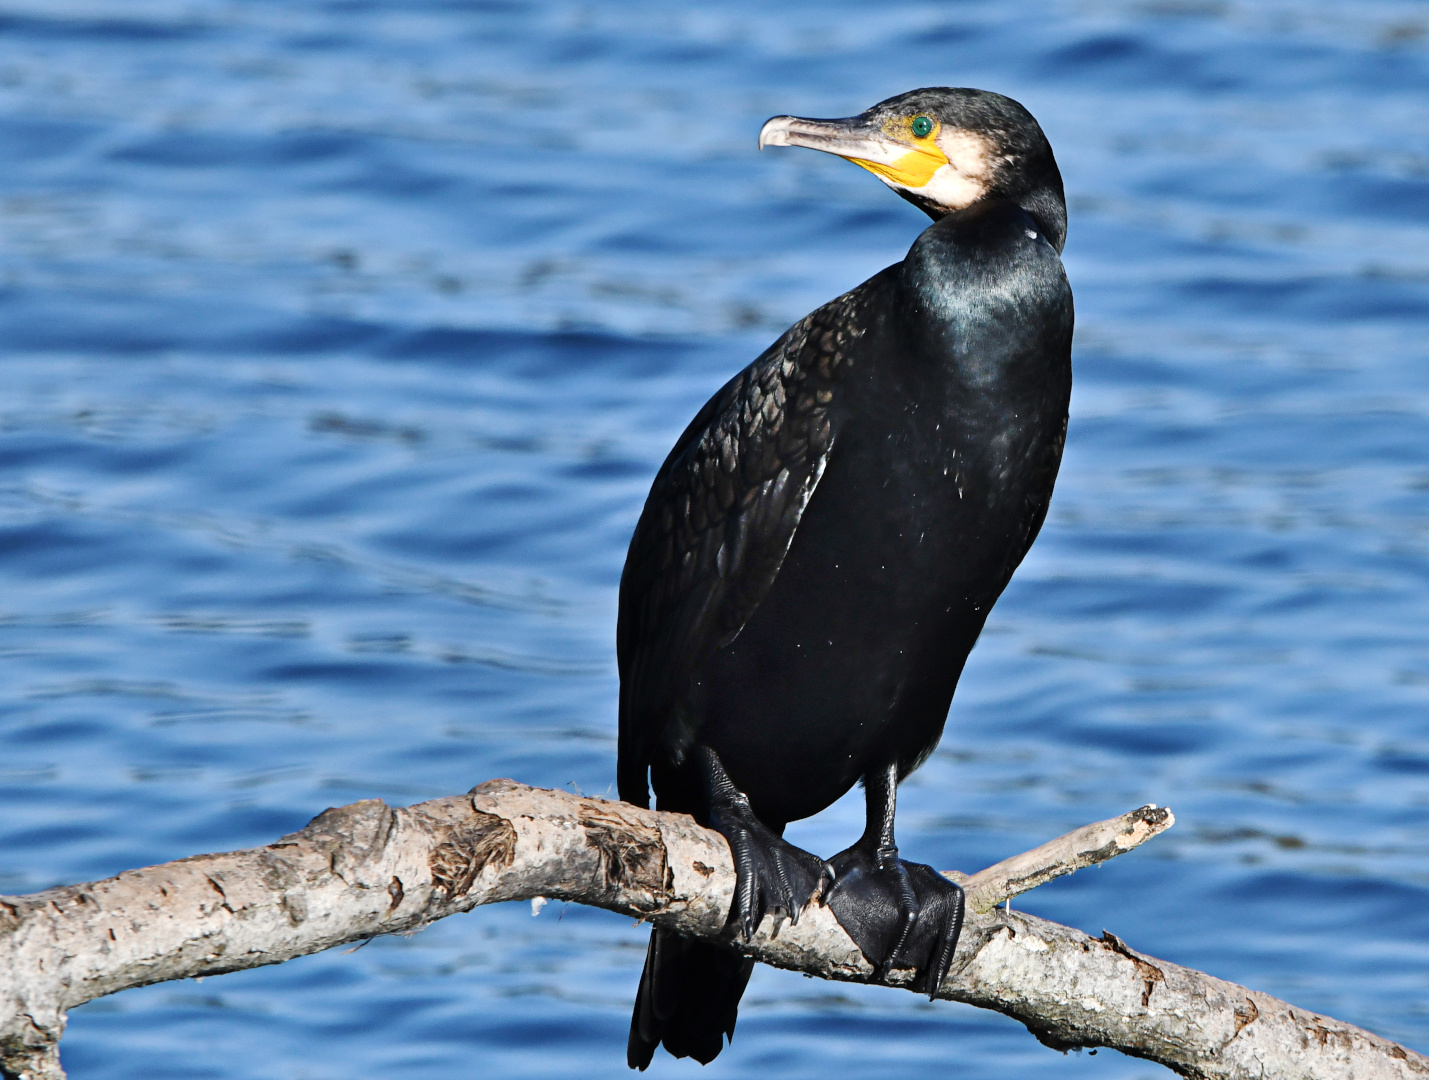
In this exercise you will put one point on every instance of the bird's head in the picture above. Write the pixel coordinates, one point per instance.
(943, 149)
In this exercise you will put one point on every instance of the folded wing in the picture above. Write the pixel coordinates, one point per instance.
(717, 525)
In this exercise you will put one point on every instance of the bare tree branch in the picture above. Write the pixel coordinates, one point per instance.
(369, 869)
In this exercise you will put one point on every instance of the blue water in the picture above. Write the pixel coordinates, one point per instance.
(341, 342)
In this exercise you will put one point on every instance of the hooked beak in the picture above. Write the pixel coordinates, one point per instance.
(898, 162)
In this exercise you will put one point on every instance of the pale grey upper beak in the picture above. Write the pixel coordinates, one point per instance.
(853, 137)
(777, 129)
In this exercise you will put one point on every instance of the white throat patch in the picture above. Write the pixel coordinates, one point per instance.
(965, 178)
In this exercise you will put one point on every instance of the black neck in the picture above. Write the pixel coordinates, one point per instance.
(1049, 209)
(1045, 204)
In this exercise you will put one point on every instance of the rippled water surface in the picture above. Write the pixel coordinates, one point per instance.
(341, 342)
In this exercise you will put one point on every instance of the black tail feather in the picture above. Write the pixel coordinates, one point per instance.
(688, 999)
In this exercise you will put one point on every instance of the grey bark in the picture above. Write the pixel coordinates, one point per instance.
(367, 869)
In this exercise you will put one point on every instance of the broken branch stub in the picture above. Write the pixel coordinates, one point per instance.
(1078, 849)
(367, 869)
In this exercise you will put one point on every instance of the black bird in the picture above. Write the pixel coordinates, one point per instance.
(821, 548)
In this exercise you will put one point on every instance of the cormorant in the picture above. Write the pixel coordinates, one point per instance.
(822, 546)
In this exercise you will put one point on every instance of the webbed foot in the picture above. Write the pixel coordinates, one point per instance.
(900, 914)
(774, 877)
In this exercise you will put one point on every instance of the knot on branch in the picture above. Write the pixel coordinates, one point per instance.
(352, 837)
(632, 855)
(467, 849)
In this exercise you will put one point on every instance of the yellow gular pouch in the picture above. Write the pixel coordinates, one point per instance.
(915, 168)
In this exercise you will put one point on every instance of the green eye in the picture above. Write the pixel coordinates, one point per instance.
(922, 126)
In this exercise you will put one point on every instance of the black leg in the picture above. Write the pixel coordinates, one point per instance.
(900, 914)
(772, 876)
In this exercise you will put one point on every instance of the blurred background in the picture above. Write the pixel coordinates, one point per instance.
(342, 340)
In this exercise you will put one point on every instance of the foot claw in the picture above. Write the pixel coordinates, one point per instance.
(774, 877)
(828, 881)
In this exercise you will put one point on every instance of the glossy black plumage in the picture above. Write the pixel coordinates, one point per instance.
(820, 551)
